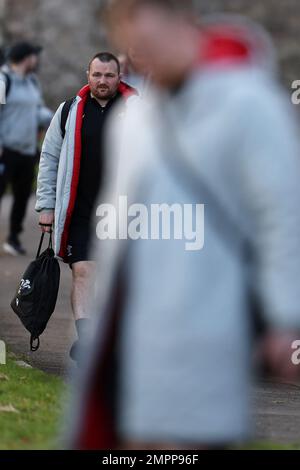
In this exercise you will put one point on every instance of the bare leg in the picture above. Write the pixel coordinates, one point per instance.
(83, 274)
(83, 278)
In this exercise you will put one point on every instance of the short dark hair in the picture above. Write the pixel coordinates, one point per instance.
(106, 57)
(20, 50)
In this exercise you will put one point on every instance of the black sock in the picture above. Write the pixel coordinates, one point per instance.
(82, 326)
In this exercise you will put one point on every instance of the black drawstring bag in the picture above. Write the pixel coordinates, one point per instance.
(35, 299)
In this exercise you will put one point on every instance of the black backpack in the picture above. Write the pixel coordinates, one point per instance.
(7, 83)
(64, 115)
(35, 299)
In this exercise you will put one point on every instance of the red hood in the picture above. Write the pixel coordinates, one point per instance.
(219, 44)
(125, 90)
(231, 40)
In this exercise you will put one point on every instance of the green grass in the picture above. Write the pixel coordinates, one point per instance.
(37, 398)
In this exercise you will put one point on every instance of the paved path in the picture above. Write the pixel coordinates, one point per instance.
(277, 405)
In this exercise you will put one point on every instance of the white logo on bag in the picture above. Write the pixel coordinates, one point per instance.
(24, 284)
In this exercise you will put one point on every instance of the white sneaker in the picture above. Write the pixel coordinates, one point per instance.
(13, 248)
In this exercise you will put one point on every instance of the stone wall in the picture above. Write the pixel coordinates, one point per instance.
(71, 33)
(280, 17)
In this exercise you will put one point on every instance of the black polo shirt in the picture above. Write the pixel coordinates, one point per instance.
(91, 166)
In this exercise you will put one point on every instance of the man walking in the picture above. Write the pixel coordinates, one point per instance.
(20, 119)
(70, 174)
(171, 351)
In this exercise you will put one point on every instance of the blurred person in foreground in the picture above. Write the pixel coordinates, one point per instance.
(21, 117)
(71, 173)
(170, 367)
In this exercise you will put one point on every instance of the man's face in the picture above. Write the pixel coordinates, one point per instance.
(159, 38)
(103, 79)
(31, 63)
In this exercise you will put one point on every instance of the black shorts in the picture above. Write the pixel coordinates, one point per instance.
(78, 244)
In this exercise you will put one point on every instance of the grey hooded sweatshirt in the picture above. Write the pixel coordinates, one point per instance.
(23, 113)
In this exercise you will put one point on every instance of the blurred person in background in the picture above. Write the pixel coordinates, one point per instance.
(135, 71)
(170, 367)
(124, 65)
(21, 118)
(71, 171)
